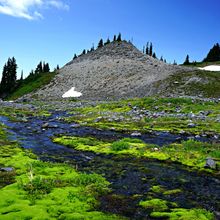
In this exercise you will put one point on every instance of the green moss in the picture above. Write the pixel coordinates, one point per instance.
(155, 205)
(191, 153)
(47, 190)
(157, 189)
(184, 214)
(172, 191)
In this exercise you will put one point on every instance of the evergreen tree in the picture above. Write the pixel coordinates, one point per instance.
(147, 48)
(165, 61)
(214, 54)
(107, 41)
(22, 73)
(39, 68)
(84, 52)
(161, 58)
(9, 77)
(119, 37)
(100, 44)
(151, 49)
(58, 67)
(92, 48)
(174, 62)
(115, 38)
(154, 55)
(75, 56)
(143, 49)
(186, 62)
(46, 68)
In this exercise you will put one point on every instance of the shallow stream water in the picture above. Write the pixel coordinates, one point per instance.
(130, 178)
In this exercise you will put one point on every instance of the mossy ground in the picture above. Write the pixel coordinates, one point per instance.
(47, 191)
(157, 114)
(191, 153)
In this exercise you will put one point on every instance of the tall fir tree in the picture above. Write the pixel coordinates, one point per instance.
(119, 37)
(151, 49)
(214, 54)
(186, 62)
(115, 38)
(147, 48)
(100, 44)
(9, 77)
(39, 68)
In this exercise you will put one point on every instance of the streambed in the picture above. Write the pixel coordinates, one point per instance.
(131, 179)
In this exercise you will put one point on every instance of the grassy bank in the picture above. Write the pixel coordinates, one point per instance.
(40, 190)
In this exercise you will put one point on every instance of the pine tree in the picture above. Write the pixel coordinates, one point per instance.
(214, 54)
(165, 61)
(107, 41)
(174, 62)
(115, 38)
(58, 67)
(84, 52)
(9, 77)
(119, 37)
(75, 56)
(161, 58)
(147, 48)
(186, 62)
(100, 44)
(154, 55)
(151, 49)
(39, 68)
(22, 73)
(46, 68)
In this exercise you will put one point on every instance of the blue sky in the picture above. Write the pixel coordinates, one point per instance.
(53, 30)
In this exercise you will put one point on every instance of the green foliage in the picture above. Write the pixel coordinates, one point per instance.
(120, 145)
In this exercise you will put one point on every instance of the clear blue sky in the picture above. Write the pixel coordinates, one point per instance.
(53, 30)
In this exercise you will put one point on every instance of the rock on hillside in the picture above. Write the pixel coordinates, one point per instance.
(117, 70)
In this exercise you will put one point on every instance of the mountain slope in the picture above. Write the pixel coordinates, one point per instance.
(117, 70)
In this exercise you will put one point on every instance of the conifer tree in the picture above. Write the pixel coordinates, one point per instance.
(22, 73)
(46, 68)
(119, 37)
(9, 77)
(147, 48)
(154, 55)
(107, 41)
(100, 44)
(115, 38)
(84, 52)
(186, 62)
(151, 49)
(214, 54)
(161, 58)
(75, 56)
(39, 68)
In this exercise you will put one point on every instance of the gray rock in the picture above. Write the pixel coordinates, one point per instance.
(6, 169)
(191, 125)
(210, 163)
(75, 125)
(136, 134)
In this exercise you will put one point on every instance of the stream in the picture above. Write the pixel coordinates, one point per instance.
(130, 178)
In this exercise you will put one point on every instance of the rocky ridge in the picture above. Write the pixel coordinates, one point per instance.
(115, 71)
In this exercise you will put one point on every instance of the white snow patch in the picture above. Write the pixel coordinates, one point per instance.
(72, 93)
(211, 68)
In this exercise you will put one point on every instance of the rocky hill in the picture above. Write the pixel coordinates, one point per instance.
(114, 71)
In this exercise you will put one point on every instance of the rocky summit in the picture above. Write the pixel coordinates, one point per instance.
(115, 71)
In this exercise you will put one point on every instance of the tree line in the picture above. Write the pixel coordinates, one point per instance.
(212, 56)
(9, 82)
(101, 43)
